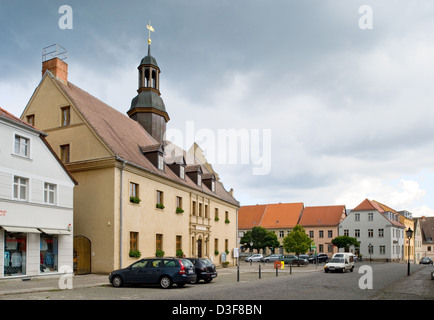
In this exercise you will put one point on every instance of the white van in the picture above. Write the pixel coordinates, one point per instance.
(341, 261)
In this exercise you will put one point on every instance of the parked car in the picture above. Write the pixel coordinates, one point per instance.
(294, 260)
(254, 257)
(320, 257)
(271, 257)
(205, 269)
(340, 262)
(304, 256)
(162, 271)
(426, 260)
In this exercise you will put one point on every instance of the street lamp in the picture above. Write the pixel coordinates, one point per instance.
(409, 234)
(370, 251)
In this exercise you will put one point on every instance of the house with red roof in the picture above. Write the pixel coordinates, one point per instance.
(377, 228)
(321, 223)
(279, 218)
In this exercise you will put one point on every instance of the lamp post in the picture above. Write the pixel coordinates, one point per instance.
(409, 234)
(370, 252)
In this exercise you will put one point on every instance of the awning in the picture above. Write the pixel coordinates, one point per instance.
(55, 231)
(21, 229)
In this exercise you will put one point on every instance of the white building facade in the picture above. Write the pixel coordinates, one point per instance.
(36, 204)
(379, 232)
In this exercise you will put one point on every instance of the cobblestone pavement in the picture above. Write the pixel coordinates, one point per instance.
(416, 286)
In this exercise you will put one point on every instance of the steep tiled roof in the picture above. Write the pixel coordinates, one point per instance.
(126, 138)
(322, 216)
(11, 117)
(250, 216)
(369, 205)
(427, 226)
(270, 216)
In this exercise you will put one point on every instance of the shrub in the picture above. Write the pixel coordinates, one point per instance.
(135, 199)
(135, 254)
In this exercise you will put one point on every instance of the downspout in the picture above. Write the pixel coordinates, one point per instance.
(121, 214)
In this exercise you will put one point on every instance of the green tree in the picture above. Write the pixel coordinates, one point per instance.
(297, 241)
(261, 239)
(345, 242)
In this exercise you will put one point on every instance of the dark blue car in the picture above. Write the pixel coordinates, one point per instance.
(162, 271)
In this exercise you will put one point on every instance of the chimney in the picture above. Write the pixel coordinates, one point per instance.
(57, 67)
(52, 60)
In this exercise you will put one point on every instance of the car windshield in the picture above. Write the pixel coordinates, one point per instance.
(206, 262)
(337, 260)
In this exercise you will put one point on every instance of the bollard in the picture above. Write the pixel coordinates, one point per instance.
(277, 271)
(259, 271)
(238, 273)
(290, 268)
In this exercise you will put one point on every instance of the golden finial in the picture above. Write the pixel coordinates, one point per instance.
(150, 28)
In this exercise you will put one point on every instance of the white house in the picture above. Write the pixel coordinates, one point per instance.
(378, 230)
(36, 203)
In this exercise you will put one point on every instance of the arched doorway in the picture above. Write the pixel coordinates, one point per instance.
(82, 247)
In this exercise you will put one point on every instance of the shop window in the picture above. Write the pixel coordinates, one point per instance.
(15, 254)
(48, 253)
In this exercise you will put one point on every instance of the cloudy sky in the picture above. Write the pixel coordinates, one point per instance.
(331, 101)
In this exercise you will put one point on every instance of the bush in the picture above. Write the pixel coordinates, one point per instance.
(135, 199)
(159, 206)
(179, 253)
(159, 253)
(135, 254)
(179, 210)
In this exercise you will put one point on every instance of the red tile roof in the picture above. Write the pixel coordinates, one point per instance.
(369, 205)
(322, 216)
(270, 216)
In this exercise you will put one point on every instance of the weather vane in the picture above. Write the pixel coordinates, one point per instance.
(150, 28)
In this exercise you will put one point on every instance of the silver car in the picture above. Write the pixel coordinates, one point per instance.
(254, 257)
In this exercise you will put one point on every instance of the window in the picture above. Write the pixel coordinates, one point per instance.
(134, 189)
(31, 119)
(321, 247)
(160, 199)
(357, 217)
(370, 233)
(49, 193)
(194, 208)
(20, 188)
(134, 236)
(281, 234)
(380, 233)
(382, 249)
(370, 249)
(48, 252)
(226, 245)
(206, 211)
(216, 214)
(65, 116)
(160, 162)
(199, 179)
(178, 202)
(200, 209)
(159, 242)
(357, 233)
(346, 232)
(226, 216)
(15, 254)
(178, 243)
(321, 234)
(370, 216)
(330, 233)
(213, 186)
(216, 245)
(22, 146)
(311, 234)
(64, 153)
(182, 172)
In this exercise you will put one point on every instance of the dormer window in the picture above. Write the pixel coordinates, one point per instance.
(154, 153)
(209, 180)
(182, 172)
(177, 165)
(194, 172)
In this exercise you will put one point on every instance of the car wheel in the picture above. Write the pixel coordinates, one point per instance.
(117, 281)
(352, 269)
(165, 282)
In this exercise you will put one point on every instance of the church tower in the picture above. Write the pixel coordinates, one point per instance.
(148, 108)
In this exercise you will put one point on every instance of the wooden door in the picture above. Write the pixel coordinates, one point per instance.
(82, 255)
